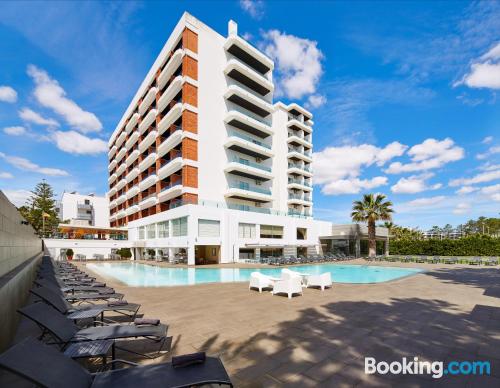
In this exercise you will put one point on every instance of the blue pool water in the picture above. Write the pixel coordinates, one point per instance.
(141, 275)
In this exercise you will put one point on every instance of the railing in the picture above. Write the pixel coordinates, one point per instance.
(149, 196)
(250, 139)
(250, 114)
(171, 185)
(250, 164)
(294, 117)
(84, 205)
(248, 208)
(246, 186)
(295, 149)
(174, 155)
(150, 174)
(295, 133)
(294, 196)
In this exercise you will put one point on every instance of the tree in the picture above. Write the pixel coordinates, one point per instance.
(40, 209)
(371, 209)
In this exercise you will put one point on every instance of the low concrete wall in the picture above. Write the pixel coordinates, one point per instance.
(84, 247)
(20, 251)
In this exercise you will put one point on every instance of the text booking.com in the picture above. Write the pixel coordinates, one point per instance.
(437, 369)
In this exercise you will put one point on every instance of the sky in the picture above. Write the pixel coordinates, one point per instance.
(404, 94)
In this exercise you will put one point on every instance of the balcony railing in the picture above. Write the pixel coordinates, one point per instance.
(295, 196)
(250, 139)
(174, 155)
(247, 208)
(250, 114)
(246, 186)
(250, 164)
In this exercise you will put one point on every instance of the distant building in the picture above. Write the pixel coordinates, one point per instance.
(84, 210)
(452, 235)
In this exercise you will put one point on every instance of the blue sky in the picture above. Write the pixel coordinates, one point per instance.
(404, 94)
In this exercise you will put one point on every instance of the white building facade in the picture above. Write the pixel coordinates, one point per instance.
(84, 210)
(204, 164)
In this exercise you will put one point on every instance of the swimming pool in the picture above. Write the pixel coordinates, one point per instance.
(142, 275)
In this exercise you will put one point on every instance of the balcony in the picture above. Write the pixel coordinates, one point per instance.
(148, 120)
(111, 192)
(122, 198)
(120, 214)
(296, 124)
(112, 165)
(171, 191)
(245, 168)
(299, 153)
(300, 169)
(149, 201)
(147, 182)
(132, 174)
(248, 145)
(245, 191)
(112, 204)
(112, 178)
(247, 76)
(173, 63)
(243, 121)
(247, 208)
(173, 89)
(132, 139)
(297, 138)
(121, 184)
(132, 209)
(148, 161)
(112, 217)
(243, 50)
(173, 114)
(119, 140)
(299, 184)
(112, 151)
(132, 122)
(121, 154)
(249, 101)
(132, 192)
(148, 100)
(170, 142)
(132, 157)
(147, 141)
(299, 199)
(171, 166)
(120, 169)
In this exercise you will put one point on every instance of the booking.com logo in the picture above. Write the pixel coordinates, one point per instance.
(436, 369)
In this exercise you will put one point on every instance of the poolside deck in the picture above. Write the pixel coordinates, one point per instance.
(320, 339)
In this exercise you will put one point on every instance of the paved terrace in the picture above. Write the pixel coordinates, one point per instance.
(321, 338)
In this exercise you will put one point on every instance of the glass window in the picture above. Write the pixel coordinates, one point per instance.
(246, 230)
(208, 228)
(179, 227)
(141, 233)
(151, 231)
(271, 231)
(162, 229)
(301, 234)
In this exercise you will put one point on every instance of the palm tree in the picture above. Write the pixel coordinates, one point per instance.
(370, 210)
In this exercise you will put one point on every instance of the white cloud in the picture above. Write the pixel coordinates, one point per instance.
(26, 165)
(462, 208)
(428, 155)
(50, 94)
(315, 101)
(486, 176)
(6, 175)
(7, 94)
(466, 190)
(76, 143)
(298, 63)
(489, 167)
(337, 169)
(247, 36)
(31, 116)
(493, 192)
(491, 151)
(487, 140)
(17, 197)
(15, 131)
(484, 72)
(254, 7)
(414, 184)
(428, 201)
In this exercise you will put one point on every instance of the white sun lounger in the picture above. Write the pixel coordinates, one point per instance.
(260, 281)
(323, 281)
(289, 286)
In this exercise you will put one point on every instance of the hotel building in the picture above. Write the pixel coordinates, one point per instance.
(205, 164)
(83, 210)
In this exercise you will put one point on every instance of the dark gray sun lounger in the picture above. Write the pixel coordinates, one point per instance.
(72, 289)
(46, 367)
(64, 331)
(58, 301)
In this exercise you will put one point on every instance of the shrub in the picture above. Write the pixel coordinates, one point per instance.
(69, 252)
(124, 253)
(475, 245)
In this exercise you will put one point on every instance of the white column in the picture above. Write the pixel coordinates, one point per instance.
(190, 254)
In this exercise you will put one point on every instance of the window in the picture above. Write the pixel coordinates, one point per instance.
(151, 231)
(162, 229)
(208, 228)
(87, 202)
(246, 230)
(301, 234)
(179, 227)
(271, 231)
(141, 233)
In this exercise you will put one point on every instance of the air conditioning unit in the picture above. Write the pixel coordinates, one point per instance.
(258, 183)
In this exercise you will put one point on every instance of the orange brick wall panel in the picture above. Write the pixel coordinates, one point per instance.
(190, 40)
(190, 176)
(190, 67)
(190, 94)
(190, 121)
(190, 198)
(189, 149)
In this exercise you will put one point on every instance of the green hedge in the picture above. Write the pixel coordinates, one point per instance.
(476, 245)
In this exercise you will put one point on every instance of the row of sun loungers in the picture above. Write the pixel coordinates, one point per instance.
(328, 257)
(439, 259)
(290, 283)
(77, 314)
(98, 257)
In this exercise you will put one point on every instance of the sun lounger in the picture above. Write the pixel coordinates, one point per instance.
(260, 281)
(289, 286)
(323, 281)
(490, 261)
(64, 331)
(46, 367)
(474, 261)
(450, 260)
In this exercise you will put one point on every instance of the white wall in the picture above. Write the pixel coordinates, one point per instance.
(100, 211)
(85, 247)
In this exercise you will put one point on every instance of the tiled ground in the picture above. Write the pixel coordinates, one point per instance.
(321, 338)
